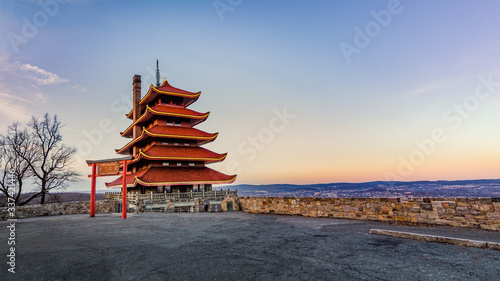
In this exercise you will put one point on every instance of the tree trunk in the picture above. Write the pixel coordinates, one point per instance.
(19, 190)
(42, 198)
(44, 190)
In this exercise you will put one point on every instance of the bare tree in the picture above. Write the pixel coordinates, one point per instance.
(37, 152)
(52, 165)
(16, 151)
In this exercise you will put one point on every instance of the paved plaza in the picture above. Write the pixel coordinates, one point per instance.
(237, 246)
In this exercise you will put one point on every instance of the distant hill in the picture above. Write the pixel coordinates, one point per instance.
(461, 188)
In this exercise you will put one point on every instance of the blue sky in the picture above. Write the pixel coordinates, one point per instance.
(356, 118)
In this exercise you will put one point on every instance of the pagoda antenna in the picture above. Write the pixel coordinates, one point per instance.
(157, 74)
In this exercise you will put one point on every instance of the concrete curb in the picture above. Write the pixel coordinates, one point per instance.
(439, 239)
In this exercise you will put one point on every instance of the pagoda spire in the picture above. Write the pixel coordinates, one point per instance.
(157, 74)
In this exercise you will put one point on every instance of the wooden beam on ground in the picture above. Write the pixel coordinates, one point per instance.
(439, 239)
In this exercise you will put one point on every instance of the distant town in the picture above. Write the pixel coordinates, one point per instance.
(464, 188)
(380, 189)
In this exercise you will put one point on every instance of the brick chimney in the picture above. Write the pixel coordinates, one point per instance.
(136, 131)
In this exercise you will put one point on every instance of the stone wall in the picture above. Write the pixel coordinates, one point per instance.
(234, 200)
(54, 209)
(462, 212)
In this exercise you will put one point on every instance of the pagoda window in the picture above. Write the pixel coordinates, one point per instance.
(178, 122)
(175, 101)
(176, 143)
(166, 164)
(186, 143)
(191, 165)
(165, 143)
(179, 164)
(170, 122)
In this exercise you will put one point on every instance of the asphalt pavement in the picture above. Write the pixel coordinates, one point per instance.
(236, 246)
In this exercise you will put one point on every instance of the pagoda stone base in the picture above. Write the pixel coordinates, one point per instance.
(209, 201)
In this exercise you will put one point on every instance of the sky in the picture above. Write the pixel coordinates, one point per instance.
(300, 92)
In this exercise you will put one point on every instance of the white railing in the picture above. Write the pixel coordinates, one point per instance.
(173, 202)
(216, 194)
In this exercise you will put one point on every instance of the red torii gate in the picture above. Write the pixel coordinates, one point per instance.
(109, 167)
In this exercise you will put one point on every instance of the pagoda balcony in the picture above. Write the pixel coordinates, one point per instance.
(175, 202)
(174, 195)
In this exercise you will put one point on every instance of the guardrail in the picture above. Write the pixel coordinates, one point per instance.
(174, 202)
(134, 197)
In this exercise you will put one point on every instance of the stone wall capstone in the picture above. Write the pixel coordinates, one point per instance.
(481, 213)
(55, 209)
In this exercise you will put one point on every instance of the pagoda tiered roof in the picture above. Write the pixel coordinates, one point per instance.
(170, 132)
(166, 110)
(194, 153)
(157, 176)
(172, 110)
(166, 89)
(165, 147)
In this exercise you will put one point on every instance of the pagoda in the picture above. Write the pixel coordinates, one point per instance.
(165, 147)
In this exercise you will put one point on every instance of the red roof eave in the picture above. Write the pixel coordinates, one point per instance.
(212, 157)
(130, 180)
(146, 133)
(174, 176)
(165, 88)
(150, 111)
